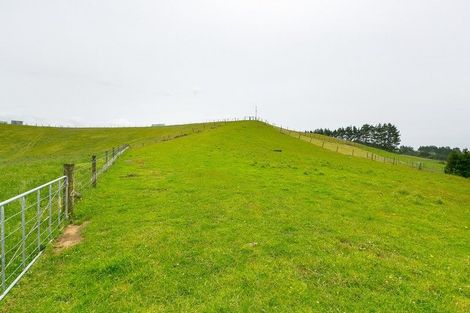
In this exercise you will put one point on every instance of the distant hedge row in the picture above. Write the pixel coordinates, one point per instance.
(429, 152)
(385, 136)
(459, 163)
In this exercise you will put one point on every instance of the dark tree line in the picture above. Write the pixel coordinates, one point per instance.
(429, 152)
(385, 136)
(459, 163)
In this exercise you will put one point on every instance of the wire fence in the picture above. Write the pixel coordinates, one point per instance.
(354, 149)
(346, 147)
(28, 222)
(86, 173)
(351, 148)
(31, 220)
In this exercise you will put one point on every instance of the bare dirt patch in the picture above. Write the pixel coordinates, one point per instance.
(72, 236)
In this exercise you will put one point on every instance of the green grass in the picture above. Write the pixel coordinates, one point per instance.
(244, 218)
(364, 151)
(30, 156)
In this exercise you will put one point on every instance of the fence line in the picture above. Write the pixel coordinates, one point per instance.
(86, 174)
(21, 236)
(340, 145)
(24, 232)
(353, 149)
(31, 220)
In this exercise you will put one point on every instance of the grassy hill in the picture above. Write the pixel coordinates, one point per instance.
(30, 156)
(364, 151)
(244, 218)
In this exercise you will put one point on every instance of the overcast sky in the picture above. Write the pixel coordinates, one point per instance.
(305, 64)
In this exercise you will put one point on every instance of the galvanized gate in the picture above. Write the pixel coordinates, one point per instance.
(28, 222)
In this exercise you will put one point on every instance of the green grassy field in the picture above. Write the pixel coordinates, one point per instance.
(244, 218)
(364, 151)
(30, 156)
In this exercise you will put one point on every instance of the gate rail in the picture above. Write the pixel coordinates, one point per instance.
(28, 222)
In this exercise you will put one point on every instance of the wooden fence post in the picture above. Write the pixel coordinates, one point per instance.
(69, 190)
(106, 157)
(113, 152)
(93, 171)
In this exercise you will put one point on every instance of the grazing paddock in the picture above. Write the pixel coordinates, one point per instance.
(244, 218)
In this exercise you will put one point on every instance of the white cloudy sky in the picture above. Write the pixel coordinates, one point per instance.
(304, 63)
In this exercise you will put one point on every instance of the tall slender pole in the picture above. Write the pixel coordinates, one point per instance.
(23, 232)
(49, 205)
(39, 218)
(59, 203)
(2, 242)
(93, 171)
(69, 190)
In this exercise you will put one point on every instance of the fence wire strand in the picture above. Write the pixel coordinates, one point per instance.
(28, 222)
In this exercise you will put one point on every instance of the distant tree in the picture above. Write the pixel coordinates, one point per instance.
(453, 163)
(366, 133)
(387, 136)
(384, 136)
(458, 163)
(407, 150)
(378, 136)
(348, 133)
(393, 137)
(437, 153)
(465, 164)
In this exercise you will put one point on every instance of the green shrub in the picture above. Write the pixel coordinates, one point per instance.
(459, 163)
